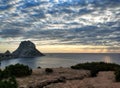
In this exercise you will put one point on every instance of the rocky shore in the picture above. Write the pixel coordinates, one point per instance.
(68, 78)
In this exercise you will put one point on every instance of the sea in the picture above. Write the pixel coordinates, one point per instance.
(55, 60)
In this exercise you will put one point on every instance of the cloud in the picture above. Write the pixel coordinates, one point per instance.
(70, 22)
(4, 33)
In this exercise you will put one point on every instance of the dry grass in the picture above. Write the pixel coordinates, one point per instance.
(103, 80)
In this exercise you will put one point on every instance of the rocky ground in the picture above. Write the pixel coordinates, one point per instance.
(68, 78)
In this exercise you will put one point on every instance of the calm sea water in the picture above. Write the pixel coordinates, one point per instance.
(63, 60)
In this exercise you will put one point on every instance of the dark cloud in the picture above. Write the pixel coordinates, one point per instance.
(4, 7)
(7, 33)
(73, 22)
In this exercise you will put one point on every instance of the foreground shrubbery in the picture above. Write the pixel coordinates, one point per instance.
(117, 75)
(100, 66)
(18, 70)
(7, 76)
(48, 70)
(9, 83)
(95, 67)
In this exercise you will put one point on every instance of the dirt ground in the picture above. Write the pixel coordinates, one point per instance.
(73, 79)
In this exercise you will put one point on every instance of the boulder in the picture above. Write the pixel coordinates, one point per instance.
(26, 49)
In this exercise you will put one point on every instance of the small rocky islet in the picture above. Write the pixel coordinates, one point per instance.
(26, 49)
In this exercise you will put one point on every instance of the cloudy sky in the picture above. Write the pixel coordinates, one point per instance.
(61, 25)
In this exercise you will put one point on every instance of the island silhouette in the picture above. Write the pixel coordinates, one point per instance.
(26, 49)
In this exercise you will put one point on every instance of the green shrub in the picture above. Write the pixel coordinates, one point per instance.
(94, 72)
(95, 67)
(17, 70)
(48, 70)
(117, 75)
(7, 76)
(9, 83)
(0, 74)
(39, 67)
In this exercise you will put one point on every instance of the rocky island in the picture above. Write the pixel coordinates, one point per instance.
(26, 49)
(6, 55)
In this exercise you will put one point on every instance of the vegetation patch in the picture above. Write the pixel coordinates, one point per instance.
(95, 67)
(48, 70)
(39, 67)
(117, 75)
(7, 76)
(9, 83)
(18, 70)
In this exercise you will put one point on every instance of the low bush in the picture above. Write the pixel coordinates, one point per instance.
(18, 70)
(38, 67)
(9, 83)
(95, 67)
(7, 76)
(48, 70)
(117, 75)
(94, 72)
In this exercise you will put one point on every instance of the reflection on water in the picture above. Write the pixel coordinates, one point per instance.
(63, 60)
(107, 59)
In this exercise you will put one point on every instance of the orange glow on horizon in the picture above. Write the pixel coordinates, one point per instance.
(65, 49)
(75, 49)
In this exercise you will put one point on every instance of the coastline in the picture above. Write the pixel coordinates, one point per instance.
(73, 79)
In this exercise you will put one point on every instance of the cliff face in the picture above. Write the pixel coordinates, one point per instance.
(26, 49)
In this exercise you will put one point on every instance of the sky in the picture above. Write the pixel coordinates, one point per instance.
(61, 26)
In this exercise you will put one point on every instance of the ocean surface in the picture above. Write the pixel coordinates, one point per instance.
(54, 60)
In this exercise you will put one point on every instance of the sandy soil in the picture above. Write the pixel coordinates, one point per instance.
(74, 79)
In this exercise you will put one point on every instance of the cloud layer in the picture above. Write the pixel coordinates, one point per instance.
(70, 22)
